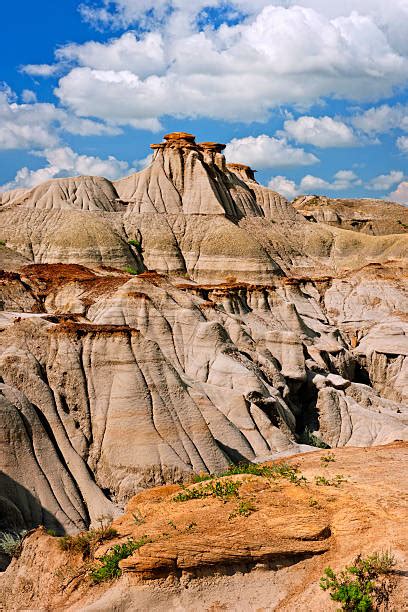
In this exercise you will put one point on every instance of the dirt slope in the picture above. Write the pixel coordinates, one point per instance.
(202, 556)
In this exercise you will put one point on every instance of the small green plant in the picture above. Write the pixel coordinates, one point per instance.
(138, 518)
(244, 508)
(322, 481)
(2, 243)
(131, 270)
(363, 586)
(313, 503)
(110, 561)
(308, 437)
(52, 532)
(221, 489)
(11, 543)
(329, 458)
(404, 225)
(136, 244)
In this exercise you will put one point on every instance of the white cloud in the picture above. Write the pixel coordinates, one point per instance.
(233, 72)
(38, 125)
(28, 96)
(63, 161)
(383, 182)
(402, 144)
(284, 186)
(141, 56)
(267, 152)
(320, 131)
(42, 70)
(400, 194)
(382, 119)
(343, 179)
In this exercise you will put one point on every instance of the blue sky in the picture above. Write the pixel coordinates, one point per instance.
(312, 94)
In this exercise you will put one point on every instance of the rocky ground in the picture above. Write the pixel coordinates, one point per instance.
(183, 319)
(202, 554)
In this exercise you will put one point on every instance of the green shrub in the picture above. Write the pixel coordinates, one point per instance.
(278, 470)
(220, 489)
(2, 243)
(329, 458)
(110, 561)
(136, 244)
(131, 270)
(51, 532)
(362, 587)
(244, 508)
(322, 481)
(11, 543)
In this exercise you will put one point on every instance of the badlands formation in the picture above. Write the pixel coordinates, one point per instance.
(179, 320)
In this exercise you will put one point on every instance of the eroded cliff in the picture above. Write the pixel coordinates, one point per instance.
(181, 319)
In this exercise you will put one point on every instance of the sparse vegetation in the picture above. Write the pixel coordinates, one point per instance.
(131, 270)
(86, 541)
(110, 561)
(329, 458)
(308, 437)
(404, 225)
(138, 518)
(244, 508)
(313, 503)
(322, 481)
(52, 532)
(364, 586)
(11, 542)
(2, 243)
(136, 244)
(278, 470)
(191, 526)
(220, 489)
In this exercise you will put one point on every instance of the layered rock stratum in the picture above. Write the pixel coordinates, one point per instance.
(183, 318)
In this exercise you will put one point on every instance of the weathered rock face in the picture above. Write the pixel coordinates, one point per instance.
(248, 332)
(375, 217)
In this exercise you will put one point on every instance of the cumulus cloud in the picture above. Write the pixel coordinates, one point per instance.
(237, 71)
(320, 131)
(267, 152)
(40, 70)
(402, 144)
(382, 119)
(284, 186)
(342, 180)
(38, 125)
(63, 161)
(140, 56)
(383, 182)
(400, 194)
